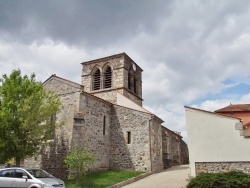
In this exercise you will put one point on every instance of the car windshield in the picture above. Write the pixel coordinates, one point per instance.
(38, 173)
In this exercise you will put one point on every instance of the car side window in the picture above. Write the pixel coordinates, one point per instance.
(7, 173)
(20, 173)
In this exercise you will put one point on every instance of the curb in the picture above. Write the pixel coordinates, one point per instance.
(131, 180)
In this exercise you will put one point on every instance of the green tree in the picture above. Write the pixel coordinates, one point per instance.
(25, 108)
(78, 161)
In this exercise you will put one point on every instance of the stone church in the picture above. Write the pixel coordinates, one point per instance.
(105, 115)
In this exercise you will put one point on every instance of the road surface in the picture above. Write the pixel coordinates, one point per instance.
(174, 177)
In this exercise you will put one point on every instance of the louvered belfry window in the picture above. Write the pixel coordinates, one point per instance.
(97, 80)
(108, 77)
(135, 83)
(130, 78)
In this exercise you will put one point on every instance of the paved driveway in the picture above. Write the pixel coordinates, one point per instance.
(174, 177)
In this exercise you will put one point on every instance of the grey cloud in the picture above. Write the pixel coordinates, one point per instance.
(186, 48)
(91, 23)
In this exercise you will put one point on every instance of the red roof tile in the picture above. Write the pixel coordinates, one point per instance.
(234, 108)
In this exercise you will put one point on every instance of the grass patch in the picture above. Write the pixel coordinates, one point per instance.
(102, 179)
(233, 179)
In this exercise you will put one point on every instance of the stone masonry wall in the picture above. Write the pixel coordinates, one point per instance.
(89, 124)
(119, 64)
(174, 152)
(156, 144)
(184, 153)
(132, 97)
(116, 63)
(166, 156)
(109, 95)
(52, 159)
(213, 167)
(134, 155)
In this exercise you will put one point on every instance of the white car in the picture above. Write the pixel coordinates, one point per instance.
(28, 178)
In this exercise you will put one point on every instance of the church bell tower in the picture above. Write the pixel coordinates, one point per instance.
(106, 76)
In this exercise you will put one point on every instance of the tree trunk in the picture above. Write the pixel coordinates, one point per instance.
(18, 161)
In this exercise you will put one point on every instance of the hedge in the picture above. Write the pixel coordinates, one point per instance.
(233, 179)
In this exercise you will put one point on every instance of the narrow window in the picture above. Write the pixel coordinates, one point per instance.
(130, 78)
(97, 80)
(128, 137)
(104, 125)
(135, 89)
(108, 77)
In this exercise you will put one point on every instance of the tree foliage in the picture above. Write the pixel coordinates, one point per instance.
(78, 161)
(25, 108)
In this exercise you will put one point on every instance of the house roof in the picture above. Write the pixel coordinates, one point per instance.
(234, 108)
(218, 114)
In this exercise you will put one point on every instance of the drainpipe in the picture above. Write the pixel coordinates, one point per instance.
(150, 150)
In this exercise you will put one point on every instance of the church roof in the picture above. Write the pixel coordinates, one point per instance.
(81, 87)
(173, 132)
(234, 108)
(66, 80)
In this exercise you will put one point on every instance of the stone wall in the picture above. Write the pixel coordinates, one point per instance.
(166, 152)
(174, 149)
(115, 62)
(136, 99)
(33, 161)
(136, 154)
(156, 144)
(52, 158)
(207, 167)
(92, 127)
(119, 64)
(107, 94)
(184, 153)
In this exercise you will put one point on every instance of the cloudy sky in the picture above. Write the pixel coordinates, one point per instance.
(194, 53)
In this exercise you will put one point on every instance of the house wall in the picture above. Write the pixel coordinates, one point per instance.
(244, 116)
(136, 155)
(212, 139)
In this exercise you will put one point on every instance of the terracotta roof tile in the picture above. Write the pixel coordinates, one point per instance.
(234, 108)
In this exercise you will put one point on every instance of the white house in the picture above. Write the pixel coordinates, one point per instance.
(215, 142)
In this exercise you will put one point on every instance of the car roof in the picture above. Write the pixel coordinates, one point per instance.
(25, 168)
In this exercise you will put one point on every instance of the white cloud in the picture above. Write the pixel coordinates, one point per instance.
(44, 58)
(187, 49)
(212, 105)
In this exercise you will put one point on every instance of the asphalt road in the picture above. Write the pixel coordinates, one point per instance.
(174, 177)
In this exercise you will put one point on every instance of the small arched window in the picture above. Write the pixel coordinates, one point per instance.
(108, 77)
(97, 80)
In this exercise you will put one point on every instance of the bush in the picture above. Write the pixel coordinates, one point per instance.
(233, 179)
(78, 161)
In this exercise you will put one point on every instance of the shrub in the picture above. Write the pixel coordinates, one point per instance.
(78, 161)
(233, 179)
